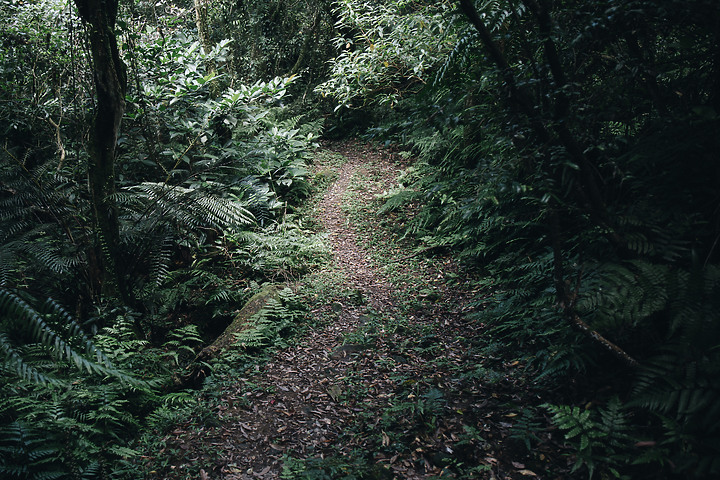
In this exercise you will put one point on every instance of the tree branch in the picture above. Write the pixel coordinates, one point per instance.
(566, 300)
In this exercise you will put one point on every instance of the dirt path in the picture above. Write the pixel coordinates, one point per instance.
(296, 409)
(378, 390)
(349, 256)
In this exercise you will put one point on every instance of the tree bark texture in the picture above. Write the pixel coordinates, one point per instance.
(194, 375)
(311, 33)
(240, 322)
(201, 21)
(110, 78)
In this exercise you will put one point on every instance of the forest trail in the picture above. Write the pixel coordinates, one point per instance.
(349, 257)
(295, 407)
(378, 390)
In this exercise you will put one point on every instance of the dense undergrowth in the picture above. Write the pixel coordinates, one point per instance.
(208, 175)
(576, 176)
(565, 153)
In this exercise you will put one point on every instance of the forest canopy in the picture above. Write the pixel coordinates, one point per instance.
(155, 159)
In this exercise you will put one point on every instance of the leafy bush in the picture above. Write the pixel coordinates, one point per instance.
(202, 161)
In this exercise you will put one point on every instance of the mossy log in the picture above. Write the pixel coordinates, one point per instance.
(198, 370)
(240, 322)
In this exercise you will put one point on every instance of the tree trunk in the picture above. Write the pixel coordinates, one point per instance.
(194, 375)
(110, 79)
(240, 322)
(566, 299)
(201, 20)
(307, 44)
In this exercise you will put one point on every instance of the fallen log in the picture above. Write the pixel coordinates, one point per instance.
(194, 375)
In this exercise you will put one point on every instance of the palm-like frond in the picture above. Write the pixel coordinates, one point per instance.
(53, 328)
(27, 453)
(191, 208)
(39, 212)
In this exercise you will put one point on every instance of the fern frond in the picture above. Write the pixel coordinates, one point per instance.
(398, 198)
(16, 311)
(159, 256)
(458, 55)
(14, 362)
(193, 207)
(28, 453)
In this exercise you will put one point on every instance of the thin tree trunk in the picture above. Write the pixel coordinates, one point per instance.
(201, 20)
(566, 299)
(110, 79)
(307, 44)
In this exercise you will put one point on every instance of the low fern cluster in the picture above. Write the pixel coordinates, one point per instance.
(269, 325)
(601, 438)
(284, 250)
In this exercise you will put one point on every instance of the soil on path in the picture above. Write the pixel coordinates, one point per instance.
(297, 408)
(408, 406)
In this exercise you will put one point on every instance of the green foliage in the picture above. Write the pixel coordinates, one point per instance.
(202, 160)
(41, 232)
(331, 468)
(59, 421)
(277, 38)
(573, 185)
(41, 76)
(52, 328)
(284, 250)
(388, 52)
(526, 427)
(27, 453)
(199, 160)
(605, 431)
(416, 406)
(283, 151)
(268, 326)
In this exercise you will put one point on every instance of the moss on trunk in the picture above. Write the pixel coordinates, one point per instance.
(240, 322)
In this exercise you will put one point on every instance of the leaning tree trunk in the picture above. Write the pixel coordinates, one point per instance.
(198, 370)
(110, 77)
(201, 21)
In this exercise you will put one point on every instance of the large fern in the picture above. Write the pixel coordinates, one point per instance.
(280, 250)
(28, 454)
(40, 236)
(52, 327)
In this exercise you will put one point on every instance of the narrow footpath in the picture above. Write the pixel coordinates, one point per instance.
(390, 390)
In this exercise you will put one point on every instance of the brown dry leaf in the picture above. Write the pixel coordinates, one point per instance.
(335, 391)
